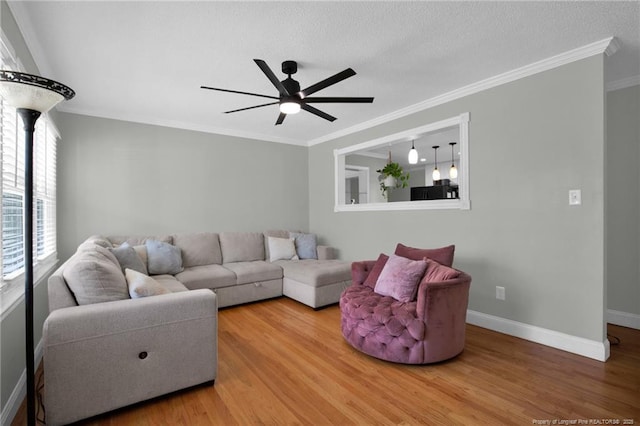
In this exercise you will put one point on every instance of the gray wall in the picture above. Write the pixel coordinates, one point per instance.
(623, 200)
(117, 177)
(531, 141)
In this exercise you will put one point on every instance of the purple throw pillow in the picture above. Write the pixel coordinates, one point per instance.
(400, 277)
(437, 272)
(442, 255)
(372, 278)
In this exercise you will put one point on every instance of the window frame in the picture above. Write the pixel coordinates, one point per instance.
(462, 203)
(45, 181)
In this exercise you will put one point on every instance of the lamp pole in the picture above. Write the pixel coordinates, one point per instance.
(32, 95)
(29, 118)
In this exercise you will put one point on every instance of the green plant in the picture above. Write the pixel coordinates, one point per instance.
(394, 170)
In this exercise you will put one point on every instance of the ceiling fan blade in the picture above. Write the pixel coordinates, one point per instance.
(251, 107)
(338, 100)
(328, 82)
(236, 91)
(317, 112)
(272, 77)
(281, 118)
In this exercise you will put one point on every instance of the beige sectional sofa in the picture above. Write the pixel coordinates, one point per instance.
(104, 350)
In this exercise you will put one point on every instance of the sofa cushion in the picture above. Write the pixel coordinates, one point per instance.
(100, 240)
(443, 255)
(141, 285)
(241, 246)
(400, 277)
(199, 248)
(251, 272)
(207, 276)
(128, 258)
(437, 272)
(139, 240)
(282, 249)
(170, 283)
(306, 245)
(163, 258)
(372, 278)
(94, 276)
(316, 273)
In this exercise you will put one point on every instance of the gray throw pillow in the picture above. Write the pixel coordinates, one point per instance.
(95, 277)
(129, 258)
(163, 258)
(306, 245)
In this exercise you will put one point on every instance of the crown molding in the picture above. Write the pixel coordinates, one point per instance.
(623, 83)
(607, 46)
(177, 125)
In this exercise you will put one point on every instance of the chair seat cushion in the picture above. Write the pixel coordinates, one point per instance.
(382, 326)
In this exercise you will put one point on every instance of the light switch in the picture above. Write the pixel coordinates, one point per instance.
(575, 197)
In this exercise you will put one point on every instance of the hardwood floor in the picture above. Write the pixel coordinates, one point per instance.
(280, 362)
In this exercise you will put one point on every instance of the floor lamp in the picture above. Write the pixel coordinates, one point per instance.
(31, 95)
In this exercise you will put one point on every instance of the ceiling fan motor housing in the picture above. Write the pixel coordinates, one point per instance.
(289, 67)
(292, 86)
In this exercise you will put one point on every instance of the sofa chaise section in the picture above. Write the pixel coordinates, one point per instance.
(103, 356)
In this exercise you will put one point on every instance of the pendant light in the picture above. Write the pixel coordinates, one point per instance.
(436, 173)
(413, 154)
(453, 171)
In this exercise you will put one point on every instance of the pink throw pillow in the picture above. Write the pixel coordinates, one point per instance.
(400, 277)
(442, 255)
(437, 272)
(372, 278)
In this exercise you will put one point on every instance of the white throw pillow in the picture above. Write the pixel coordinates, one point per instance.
(141, 285)
(282, 249)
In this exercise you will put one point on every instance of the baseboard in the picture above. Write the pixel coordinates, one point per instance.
(566, 342)
(19, 391)
(624, 319)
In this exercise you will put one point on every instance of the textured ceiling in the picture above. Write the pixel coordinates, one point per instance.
(146, 61)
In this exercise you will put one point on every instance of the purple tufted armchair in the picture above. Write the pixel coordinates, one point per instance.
(429, 329)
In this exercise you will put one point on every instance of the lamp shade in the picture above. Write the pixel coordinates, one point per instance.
(28, 91)
(453, 172)
(436, 174)
(413, 154)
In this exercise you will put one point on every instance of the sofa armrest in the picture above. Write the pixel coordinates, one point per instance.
(326, 253)
(108, 355)
(360, 271)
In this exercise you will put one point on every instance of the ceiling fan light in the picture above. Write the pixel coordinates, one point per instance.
(289, 107)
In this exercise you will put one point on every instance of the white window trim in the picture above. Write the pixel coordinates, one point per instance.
(12, 293)
(463, 203)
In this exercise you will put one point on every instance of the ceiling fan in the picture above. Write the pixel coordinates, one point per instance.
(291, 99)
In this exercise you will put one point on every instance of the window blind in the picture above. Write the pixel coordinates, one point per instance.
(12, 167)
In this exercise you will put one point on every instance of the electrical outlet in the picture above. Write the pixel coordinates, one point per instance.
(575, 197)
(500, 295)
